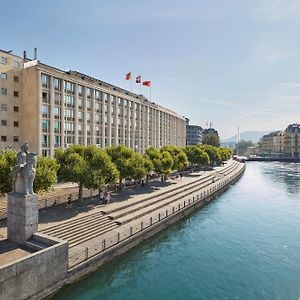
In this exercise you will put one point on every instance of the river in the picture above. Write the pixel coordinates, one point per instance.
(243, 245)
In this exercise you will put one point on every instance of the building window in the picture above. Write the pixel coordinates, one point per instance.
(3, 122)
(3, 76)
(16, 124)
(3, 60)
(45, 125)
(3, 91)
(79, 129)
(88, 93)
(69, 87)
(45, 81)
(16, 79)
(16, 64)
(69, 101)
(80, 116)
(80, 90)
(88, 130)
(16, 94)
(45, 111)
(88, 117)
(44, 140)
(45, 97)
(57, 112)
(57, 84)
(57, 98)
(16, 139)
(69, 128)
(80, 103)
(3, 107)
(16, 108)
(69, 114)
(57, 127)
(57, 141)
(3, 138)
(88, 105)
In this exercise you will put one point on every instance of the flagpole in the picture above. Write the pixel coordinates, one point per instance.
(140, 86)
(150, 91)
(131, 83)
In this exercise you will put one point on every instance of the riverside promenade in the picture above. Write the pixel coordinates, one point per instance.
(90, 228)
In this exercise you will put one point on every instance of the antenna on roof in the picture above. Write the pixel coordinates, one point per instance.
(24, 54)
(35, 53)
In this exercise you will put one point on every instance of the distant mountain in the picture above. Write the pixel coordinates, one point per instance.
(254, 136)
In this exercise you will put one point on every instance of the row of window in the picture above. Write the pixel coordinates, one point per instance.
(3, 92)
(4, 61)
(4, 76)
(4, 138)
(5, 123)
(4, 108)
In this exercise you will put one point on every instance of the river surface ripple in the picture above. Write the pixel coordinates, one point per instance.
(243, 245)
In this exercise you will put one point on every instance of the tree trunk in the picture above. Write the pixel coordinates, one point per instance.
(147, 179)
(80, 194)
(120, 183)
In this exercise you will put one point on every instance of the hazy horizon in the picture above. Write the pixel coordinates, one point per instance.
(232, 63)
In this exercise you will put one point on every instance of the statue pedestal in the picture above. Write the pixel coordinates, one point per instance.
(22, 217)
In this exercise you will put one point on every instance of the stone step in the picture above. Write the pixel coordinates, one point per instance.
(86, 237)
(74, 226)
(139, 213)
(181, 192)
(71, 222)
(35, 245)
(84, 228)
(117, 206)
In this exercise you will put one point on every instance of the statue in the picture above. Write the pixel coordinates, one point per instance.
(24, 172)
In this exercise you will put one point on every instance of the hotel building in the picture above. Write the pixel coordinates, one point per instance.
(51, 108)
(272, 143)
(292, 141)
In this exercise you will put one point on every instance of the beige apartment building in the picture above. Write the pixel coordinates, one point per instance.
(292, 141)
(272, 143)
(51, 108)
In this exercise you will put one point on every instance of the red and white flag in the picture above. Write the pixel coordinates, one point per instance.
(138, 79)
(128, 76)
(147, 83)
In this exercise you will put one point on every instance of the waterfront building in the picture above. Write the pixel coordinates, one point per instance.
(193, 134)
(271, 144)
(291, 141)
(51, 108)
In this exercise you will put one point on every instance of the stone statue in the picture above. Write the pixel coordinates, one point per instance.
(24, 172)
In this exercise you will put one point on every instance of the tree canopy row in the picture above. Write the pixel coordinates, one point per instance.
(91, 167)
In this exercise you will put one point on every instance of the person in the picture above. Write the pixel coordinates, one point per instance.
(69, 199)
(105, 197)
(108, 198)
(101, 197)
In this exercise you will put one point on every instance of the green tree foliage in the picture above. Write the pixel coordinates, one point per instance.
(141, 166)
(213, 154)
(225, 153)
(154, 155)
(166, 163)
(90, 167)
(180, 159)
(122, 157)
(211, 139)
(46, 174)
(7, 161)
(196, 155)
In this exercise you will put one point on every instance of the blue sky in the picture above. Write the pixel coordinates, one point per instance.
(229, 62)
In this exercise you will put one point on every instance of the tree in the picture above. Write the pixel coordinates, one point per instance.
(211, 139)
(46, 174)
(242, 146)
(154, 155)
(8, 159)
(225, 153)
(122, 157)
(180, 159)
(213, 153)
(166, 163)
(89, 166)
(196, 155)
(141, 166)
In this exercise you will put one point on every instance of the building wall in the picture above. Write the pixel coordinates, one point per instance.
(193, 135)
(63, 108)
(292, 141)
(272, 142)
(10, 100)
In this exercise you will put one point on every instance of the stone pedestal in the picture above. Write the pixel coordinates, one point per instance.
(22, 217)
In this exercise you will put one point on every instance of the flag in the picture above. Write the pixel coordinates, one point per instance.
(147, 83)
(128, 76)
(138, 79)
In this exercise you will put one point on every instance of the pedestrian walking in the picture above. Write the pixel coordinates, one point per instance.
(101, 197)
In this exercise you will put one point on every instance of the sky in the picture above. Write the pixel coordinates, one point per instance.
(226, 62)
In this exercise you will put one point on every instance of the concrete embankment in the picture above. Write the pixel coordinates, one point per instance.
(129, 223)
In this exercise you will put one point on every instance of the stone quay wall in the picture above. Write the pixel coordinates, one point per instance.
(38, 273)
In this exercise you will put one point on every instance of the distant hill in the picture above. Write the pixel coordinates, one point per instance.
(254, 136)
